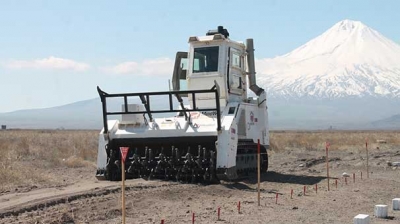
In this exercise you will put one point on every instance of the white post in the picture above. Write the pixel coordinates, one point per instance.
(396, 204)
(123, 191)
(361, 219)
(381, 211)
(258, 171)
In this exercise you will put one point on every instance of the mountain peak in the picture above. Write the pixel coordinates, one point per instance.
(348, 42)
(349, 25)
(349, 59)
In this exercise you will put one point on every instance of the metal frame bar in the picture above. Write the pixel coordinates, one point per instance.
(146, 97)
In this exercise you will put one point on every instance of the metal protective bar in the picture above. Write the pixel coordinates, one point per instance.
(145, 98)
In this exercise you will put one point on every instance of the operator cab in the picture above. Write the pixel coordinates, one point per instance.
(212, 58)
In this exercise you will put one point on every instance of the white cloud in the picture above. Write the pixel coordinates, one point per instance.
(48, 63)
(148, 67)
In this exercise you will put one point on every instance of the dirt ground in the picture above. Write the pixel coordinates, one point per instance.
(79, 198)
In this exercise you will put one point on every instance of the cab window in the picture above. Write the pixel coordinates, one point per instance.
(205, 59)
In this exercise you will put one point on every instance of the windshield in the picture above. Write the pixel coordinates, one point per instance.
(205, 59)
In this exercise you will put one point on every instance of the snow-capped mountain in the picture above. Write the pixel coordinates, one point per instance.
(349, 59)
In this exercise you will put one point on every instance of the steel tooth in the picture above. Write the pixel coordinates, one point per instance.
(178, 154)
(212, 156)
(150, 154)
(206, 153)
(188, 151)
(162, 156)
(146, 153)
(135, 155)
(188, 156)
(199, 151)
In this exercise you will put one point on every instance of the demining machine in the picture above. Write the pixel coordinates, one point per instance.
(211, 128)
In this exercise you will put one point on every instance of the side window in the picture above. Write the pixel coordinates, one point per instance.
(184, 63)
(236, 76)
(182, 79)
(236, 59)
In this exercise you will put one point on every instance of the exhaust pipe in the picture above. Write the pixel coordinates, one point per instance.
(252, 70)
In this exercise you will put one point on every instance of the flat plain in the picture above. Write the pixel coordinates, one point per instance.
(48, 177)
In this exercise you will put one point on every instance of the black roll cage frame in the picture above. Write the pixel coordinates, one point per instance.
(145, 99)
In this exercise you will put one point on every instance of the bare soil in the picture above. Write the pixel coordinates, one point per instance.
(75, 196)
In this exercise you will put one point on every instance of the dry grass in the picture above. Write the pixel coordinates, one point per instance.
(27, 157)
(26, 154)
(339, 140)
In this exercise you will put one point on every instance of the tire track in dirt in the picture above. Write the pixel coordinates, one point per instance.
(45, 202)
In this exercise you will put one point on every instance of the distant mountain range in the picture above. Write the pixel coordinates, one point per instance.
(392, 122)
(346, 78)
(85, 114)
(79, 115)
(283, 114)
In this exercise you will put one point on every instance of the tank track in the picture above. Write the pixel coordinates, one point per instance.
(246, 158)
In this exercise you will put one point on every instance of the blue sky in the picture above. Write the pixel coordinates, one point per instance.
(57, 52)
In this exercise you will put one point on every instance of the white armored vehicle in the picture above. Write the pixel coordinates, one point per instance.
(216, 127)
